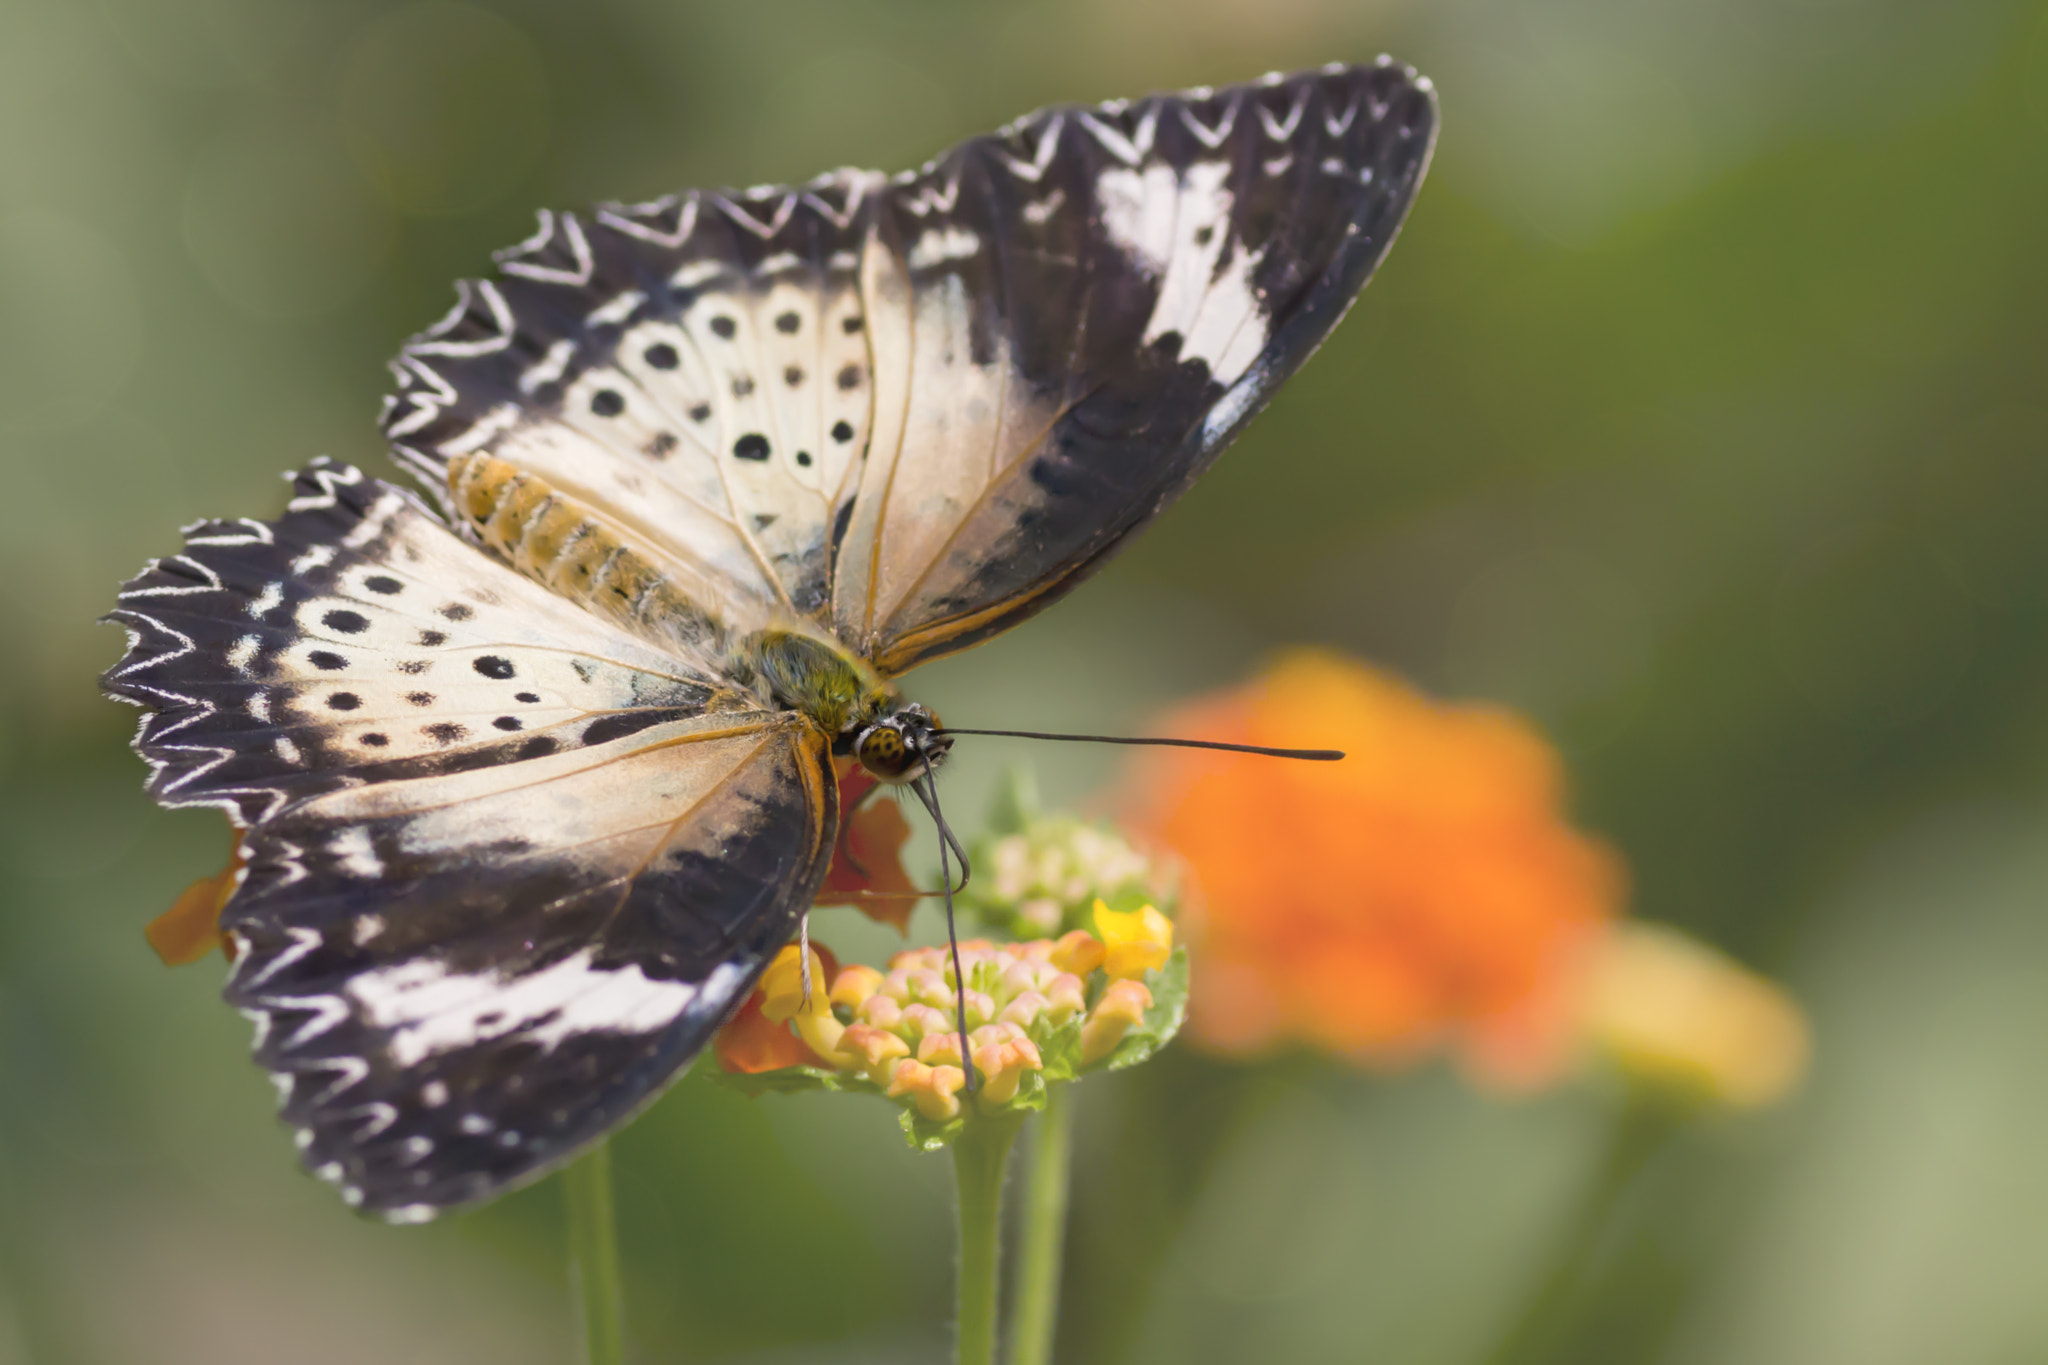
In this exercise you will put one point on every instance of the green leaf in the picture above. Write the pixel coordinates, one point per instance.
(791, 1080)
(1061, 1051)
(930, 1135)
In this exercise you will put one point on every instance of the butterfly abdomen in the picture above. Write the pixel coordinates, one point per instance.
(562, 544)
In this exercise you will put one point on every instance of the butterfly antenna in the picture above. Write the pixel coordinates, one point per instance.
(928, 792)
(1311, 755)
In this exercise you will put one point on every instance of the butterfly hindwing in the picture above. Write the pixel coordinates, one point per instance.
(506, 867)
(459, 983)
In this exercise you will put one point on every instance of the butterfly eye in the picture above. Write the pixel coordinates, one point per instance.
(882, 752)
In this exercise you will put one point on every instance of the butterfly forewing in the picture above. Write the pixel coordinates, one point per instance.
(918, 410)
(1097, 300)
(696, 368)
(506, 868)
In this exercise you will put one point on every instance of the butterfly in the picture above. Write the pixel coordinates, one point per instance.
(532, 779)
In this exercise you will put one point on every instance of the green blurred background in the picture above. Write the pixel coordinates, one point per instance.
(1701, 412)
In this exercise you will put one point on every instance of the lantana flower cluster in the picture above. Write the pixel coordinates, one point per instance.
(1038, 1012)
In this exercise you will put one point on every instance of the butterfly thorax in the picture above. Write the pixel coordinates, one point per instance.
(801, 671)
(896, 741)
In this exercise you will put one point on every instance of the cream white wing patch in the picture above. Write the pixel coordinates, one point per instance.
(1174, 223)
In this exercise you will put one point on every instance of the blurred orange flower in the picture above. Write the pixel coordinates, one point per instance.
(867, 866)
(1426, 892)
(190, 929)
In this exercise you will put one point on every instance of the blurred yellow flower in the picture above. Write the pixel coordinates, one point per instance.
(1670, 1009)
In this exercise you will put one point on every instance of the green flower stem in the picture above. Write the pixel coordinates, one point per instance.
(979, 1155)
(1553, 1312)
(594, 1255)
(1035, 1311)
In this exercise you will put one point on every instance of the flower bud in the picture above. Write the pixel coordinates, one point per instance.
(1079, 952)
(1039, 915)
(855, 985)
(1025, 1009)
(1122, 1006)
(919, 1020)
(933, 1089)
(873, 1051)
(930, 987)
(1065, 997)
(1002, 1064)
(998, 1032)
(1044, 878)
(939, 1049)
(881, 1011)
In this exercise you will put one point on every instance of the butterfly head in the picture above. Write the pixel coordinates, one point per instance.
(902, 745)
